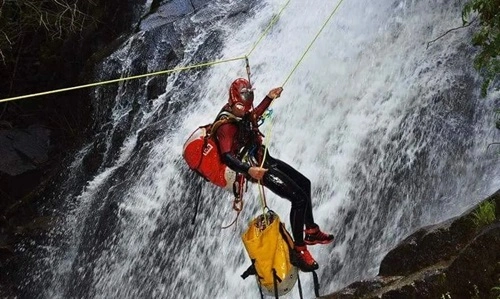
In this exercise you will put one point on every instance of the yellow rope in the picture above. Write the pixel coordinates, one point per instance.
(261, 187)
(273, 21)
(262, 196)
(286, 80)
(314, 40)
(300, 60)
(122, 79)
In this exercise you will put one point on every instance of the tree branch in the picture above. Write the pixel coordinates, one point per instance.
(453, 29)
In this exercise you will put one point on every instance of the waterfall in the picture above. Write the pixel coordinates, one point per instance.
(390, 130)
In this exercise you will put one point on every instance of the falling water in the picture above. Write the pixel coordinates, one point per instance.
(389, 129)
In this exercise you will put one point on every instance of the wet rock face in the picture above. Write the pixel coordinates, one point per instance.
(31, 155)
(23, 150)
(477, 268)
(427, 247)
(453, 259)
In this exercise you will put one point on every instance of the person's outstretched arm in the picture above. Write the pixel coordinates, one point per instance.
(271, 95)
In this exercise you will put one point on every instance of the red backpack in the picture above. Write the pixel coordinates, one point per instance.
(202, 155)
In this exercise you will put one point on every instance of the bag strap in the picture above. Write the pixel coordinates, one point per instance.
(300, 286)
(211, 129)
(250, 270)
(226, 118)
(316, 283)
(288, 238)
(196, 206)
(238, 190)
(276, 279)
(205, 141)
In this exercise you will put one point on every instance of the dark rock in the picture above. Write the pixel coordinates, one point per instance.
(427, 246)
(93, 158)
(23, 150)
(197, 4)
(453, 259)
(167, 13)
(477, 267)
(28, 165)
(357, 289)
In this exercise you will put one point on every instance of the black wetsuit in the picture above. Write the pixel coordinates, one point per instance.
(281, 178)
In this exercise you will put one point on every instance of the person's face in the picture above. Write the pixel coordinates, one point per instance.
(238, 110)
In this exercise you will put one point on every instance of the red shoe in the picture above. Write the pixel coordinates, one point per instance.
(315, 236)
(302, 258)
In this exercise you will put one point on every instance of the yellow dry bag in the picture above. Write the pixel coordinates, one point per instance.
(268, 245)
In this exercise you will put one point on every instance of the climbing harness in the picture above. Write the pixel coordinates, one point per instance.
(240, 186)
(201, 144)
(266, 115)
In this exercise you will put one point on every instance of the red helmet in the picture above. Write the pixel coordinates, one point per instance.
(241, 92)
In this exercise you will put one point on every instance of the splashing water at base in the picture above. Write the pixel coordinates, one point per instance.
(380, 123)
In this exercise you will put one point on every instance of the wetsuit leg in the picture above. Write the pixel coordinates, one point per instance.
(288, 183)
(301, 180)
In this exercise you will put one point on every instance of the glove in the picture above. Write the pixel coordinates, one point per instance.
(275, 92)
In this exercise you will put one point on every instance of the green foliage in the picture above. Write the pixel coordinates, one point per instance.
(484, 214)
(21, 20)
(487, 37)
(475, 295)
(496, 291)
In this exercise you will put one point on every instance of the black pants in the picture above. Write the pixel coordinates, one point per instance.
(285, 181)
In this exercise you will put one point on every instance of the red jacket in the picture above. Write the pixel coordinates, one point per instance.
(233, 137)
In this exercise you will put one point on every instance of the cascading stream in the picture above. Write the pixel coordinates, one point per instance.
(391, 133)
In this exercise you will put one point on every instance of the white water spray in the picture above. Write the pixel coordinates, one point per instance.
(365, 110)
